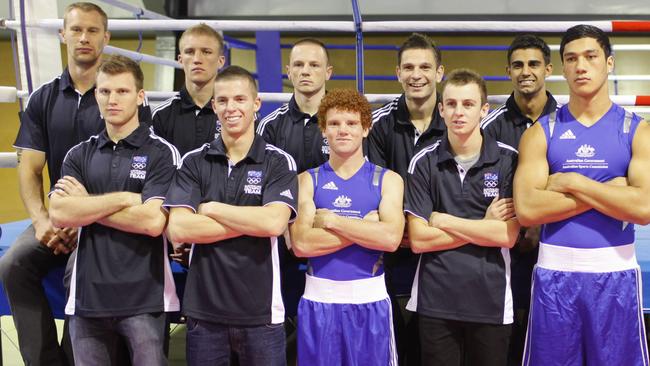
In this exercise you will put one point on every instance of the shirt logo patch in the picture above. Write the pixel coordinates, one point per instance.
(342, 202)
(254, 179)
(331, 186)
(325, 149)
(586, 151)
(568, 135)
(287, 194)
(138, 167)
(490, 184)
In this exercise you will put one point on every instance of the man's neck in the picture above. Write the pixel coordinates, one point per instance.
(309, 103)
(589, 109)
(532, 106)
(347, 166)
(200, 93)
(466, 146)
(237, 147)
(421, 111)
(117, 133)
(83, 76)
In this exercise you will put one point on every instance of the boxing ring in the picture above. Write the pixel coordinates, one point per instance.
(267, 33)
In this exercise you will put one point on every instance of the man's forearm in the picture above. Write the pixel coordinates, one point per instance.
(31, 192)
(72, 211)
(146, 219)
(484, 232)
(249, 220)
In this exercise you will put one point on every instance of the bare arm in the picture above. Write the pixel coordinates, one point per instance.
(30, 182)
(262, 221)
(425, 238)
(384, 234)
(308, 241)
(535, 204)
(614, 200)
(483, 232)
(147, 218)
(84, 210)
(185, 226)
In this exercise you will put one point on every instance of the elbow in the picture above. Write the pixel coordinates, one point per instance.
(300, 249)
(155, 225)
(393, 240)
(177, 233)
(641, 216)
(58, 217)
(276, 227)
(417, 246)
(527, 217)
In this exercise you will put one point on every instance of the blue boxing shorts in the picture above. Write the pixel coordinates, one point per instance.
(586, 308)
(347, 323)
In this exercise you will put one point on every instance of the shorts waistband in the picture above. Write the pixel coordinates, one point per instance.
(345, 292)
(609, 259)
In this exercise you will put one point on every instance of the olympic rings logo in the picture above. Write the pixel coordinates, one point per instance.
(491, 183)
(138, 166)
(253, 180)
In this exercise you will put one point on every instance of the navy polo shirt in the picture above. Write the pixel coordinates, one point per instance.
(183, 123)
(392, 142)
(57, 117)
(469, 283)
(117, 273)
(235, 281)
(296, 133)
(507, 123)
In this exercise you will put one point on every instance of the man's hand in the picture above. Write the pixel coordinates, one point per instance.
(44, 231)
(562, 182)
(437, 219)
(70, 186)
(324, 219)
(500, 209)
(181, 253)
(64, 241)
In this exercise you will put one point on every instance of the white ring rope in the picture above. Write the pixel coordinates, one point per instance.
(348, 26)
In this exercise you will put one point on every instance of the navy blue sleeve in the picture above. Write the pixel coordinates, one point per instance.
(32, 134)
(160, 174)
(185, 187)
(73, 165)
(282, 183)
(418, 199)
(509, 167)
(375, 145)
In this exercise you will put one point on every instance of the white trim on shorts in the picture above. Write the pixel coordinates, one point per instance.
(594, 260)
(345, 292)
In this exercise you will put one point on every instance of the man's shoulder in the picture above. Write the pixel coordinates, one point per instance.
(42, 93)
(166, 107)
(495, 117)
(273, 118)
(278, 156)
(429, 153)
(385, 113)
(163, 147)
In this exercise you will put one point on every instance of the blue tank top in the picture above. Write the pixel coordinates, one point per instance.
(354, 198)
(600, 152)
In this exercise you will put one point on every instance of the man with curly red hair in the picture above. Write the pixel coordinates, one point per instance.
(348, 216)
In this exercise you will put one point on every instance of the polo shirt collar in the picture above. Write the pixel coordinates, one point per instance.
(519, 118)
(137, 138)
(187, 102)
(256, 153)
(404, 117)
(66, 80)
(294, 111)
(489, 150)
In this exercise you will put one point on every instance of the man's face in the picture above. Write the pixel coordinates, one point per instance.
(461, 108)
(419, 74)
(344, 131)
(85, 36)
(200, 56)
(235, 104)
(585, 66)
(118, 97)
(528, 71)
(308, 69)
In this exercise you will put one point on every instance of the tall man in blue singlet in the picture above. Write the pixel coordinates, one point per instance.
(349, 214)
(584, 173)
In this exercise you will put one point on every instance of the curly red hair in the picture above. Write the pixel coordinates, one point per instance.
(348, 100)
